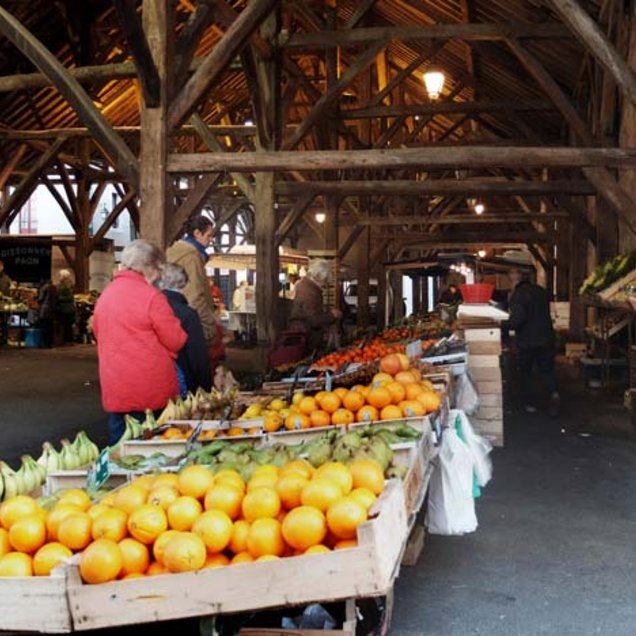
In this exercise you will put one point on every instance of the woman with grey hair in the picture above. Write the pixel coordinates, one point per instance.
(193, 360)
(138, 339)
(307, 312)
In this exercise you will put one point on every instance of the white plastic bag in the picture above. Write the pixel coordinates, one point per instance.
(467, 398)
(451, 507)
(479, 448)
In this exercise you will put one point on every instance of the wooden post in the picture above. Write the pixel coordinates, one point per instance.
(83, 210)
(363, 274)
(156, 200)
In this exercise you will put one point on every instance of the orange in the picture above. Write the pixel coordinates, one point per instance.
(265, 538)
(163, 496)
(266, 470)
(183, 512)
(262, 481)
(235, 431)
(216, 561)
(160, 544)
(226, 498)
(405, 377)
(379, 397)
(272, 423)
(335, 471)
(367, 473)
(75, 531)
(12, 509)
(301, 466)
(344, 516)
(341, 391)
(147, 523)
(184, 553)
(360, 388)
(380, 379)
(391, 412)
(397, 391)
(28, 534)
(16, 564)
(413, 389)
(289, 488)
(307, 405)
(154, 569)
(76, 497)
(268, 557)
(353, 401)
(412, 408)
(254, 430)
(129, 498)
(48, 557)
(297, 421)
(346, 544)
(5, 546)
(165, 479)
(97, 509)
(304, 527)
(317, 549)
(101, 562)
(145, 481)
(261, 503)
(320, 493)
(238, 542)
(133, 575)
(430, 400)
(330, 402)
(242, 557)
(318, 397)
(215, 529)
(229, 477)
(110, 525)
(367, 413)
(195, 480)
(342, 417)
(108, 500)
(319, 418)
(135, 557)
(363, 496)
(56, 516)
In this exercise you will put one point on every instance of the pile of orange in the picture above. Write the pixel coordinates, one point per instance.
(191, 521)
(373, 350)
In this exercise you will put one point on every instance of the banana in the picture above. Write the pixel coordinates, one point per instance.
(49, 460)
(70, 460)
(81, 449)
(29, 479)
(11, 485)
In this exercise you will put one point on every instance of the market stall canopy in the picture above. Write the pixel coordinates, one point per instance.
(244, 257)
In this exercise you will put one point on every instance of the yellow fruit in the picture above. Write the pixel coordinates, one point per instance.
(289, 488)
(48, 557)
(155, 569)
(268, 557)
(163, 496)
(342, 417)
(367, 473)
(60, 512)
(339, 473)
(133, 575)
(317, 549)
(344, 516)
(110, 525)
(75, 531)
(129, 498)
(272, 423)
(77, 497)
(252, 411)
(363, 496)
(5, 546)
(145, 481)
(242, 557)
(262, 481)
(160, 544)
(16, 507)
(345, 544)
(304, 527)
(101, 562)
(183, 512)
(135, 557)
(165, 479)
(301, 466)
(16, 564)
(108, 500)
(238, 542)
(216, 561)
(27, 534)
(225, 498)
(147, 523)
(320, 493)
(277, 404)
(195, 480)
(215, 529)
(265, 537)
(184, 553)
(297, 397)
(307, 405)
(229, 478)
(260, 504)
(97, 509)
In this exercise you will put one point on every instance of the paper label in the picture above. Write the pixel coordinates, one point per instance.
(100, 472)
(414, 349)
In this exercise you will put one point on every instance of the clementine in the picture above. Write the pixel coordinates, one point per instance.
(367, 473)
(342, 417)
(289, 487)
(319, 418)
(353, 401)
(397, 391)
(330, 402)
(215, 529)
(183, 512)
(307, 405)
(28, 534)
(265, 537)
(110, 525)
(48, 557)
(185, 552)
(379, 397)
(367, 413)
(391, 412)
(261, 503)
(135, 557)
(304, 527)
(101, 562)
(147, 523)
(195, 480)
(75, 531)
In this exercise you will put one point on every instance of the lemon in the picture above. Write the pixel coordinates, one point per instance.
(277, 404)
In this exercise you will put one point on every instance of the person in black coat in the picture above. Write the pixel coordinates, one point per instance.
(531, 321)
(193, 359)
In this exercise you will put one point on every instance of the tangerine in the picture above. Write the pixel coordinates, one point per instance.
(129, 498)
(226, 498)
(320, 493)
(431, 400)
(75, 531)
(381, 379)
(261, 503)
(397, 391)
(344, 516)
(160, 544)
(319, 418)
(353, 401)
(101, 562)
(16, 564)
(367, 473)
(304, 527)
(135, 557)
(342, 417)
(163, 496)
(195, 480)
(368, 413)
(56, 516)
(110, 525)
(265, 538)
(147, 523)
(289, 487)
(48, 557)
(391, 412)
(379, 397)
(335, 471)
(297, 421)
(341, 391)
(77, 497)
(229, 477)
(28, 534)
(307, 405)
(272, 423)
(185, 552)
(183, 512)
(412, 408)
(12, 509)
(330, 402)
(413, 389)
(238, 542)
(215, 529)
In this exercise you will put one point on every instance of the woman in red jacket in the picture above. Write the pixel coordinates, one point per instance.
(138, 338)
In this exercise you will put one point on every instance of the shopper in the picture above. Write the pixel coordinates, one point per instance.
(193, 358)
(451, 295)
(138, 339)
(66, 304)
(532, 323)
(47, 305)
(307, 313)
(189, 252)
(5, 281)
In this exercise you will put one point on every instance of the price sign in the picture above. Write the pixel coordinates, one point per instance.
(100, 472)
(414, 349)
(328, 382)
(192, 440)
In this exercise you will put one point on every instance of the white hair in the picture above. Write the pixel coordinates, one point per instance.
(142, 257)
(320, 269)
(65, 273)
(173, 277)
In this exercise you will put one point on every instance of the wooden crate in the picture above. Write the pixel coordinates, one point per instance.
(64, 479)
(291, 438)
(364, 571)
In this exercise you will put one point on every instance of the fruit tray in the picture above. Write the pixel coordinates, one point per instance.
(366, 570)
(63, 479)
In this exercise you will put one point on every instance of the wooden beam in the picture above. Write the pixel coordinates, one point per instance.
(110, 219)
(119, 153)
(595, 41)
(64, 206)
(475, 31)
(233, 40)
(14, 160)
(140, 50)
(361, 11)
(331, 94)
(192, 205)
(350, 241)
(438, 186)
(293, 216)
(427, 157)
(460, 219)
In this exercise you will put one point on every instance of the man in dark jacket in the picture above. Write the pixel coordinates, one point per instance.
(193, 358)
(532, 323)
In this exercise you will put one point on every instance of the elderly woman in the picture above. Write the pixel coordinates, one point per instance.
(307, 312)
(138, 339)
(193, 358)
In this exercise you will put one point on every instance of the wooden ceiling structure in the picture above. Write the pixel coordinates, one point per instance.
(282, 107)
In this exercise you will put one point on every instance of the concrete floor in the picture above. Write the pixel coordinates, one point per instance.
(555, 548)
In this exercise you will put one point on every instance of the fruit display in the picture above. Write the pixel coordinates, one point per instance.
(201, 405)
(607, 273)
(360, 352)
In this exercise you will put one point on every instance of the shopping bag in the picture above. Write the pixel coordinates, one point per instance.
(451, 507)
(467, 396)
(479, 447)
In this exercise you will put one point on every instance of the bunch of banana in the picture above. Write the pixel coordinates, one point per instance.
(26, 479)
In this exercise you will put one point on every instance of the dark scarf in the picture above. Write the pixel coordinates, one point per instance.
(188, 238)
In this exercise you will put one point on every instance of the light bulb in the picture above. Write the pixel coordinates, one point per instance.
(480, 208)
(320, 217)
(434, 82)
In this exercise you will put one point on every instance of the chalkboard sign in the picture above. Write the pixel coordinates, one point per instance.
(26, 261)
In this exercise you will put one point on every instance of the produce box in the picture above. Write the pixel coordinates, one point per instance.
(366, 570)
(296, 437)
(64, 479)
